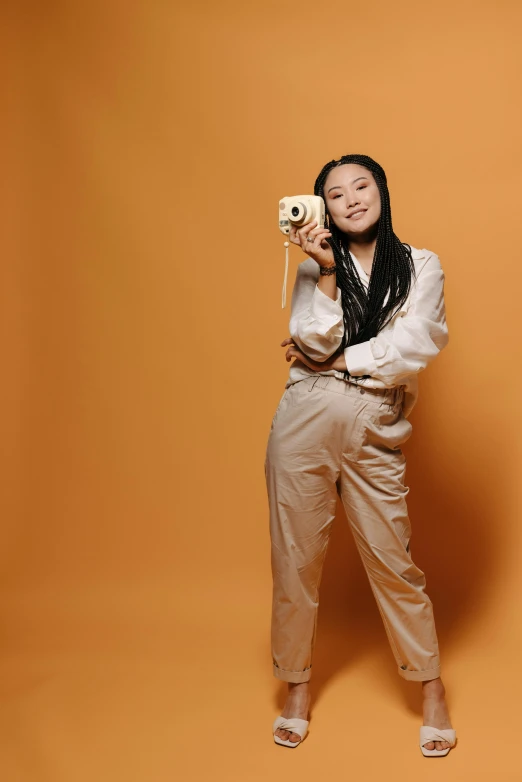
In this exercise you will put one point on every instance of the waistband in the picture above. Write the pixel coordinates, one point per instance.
(391, 396)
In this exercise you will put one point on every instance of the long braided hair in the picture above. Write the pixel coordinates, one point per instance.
(365, 312)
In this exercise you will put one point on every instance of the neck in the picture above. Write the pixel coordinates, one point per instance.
(363, 246)
(363, 251)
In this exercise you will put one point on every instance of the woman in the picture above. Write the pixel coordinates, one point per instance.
(367, 315)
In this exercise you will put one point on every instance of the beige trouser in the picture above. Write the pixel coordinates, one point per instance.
(330, 436)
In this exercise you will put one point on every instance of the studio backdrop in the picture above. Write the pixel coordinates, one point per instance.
(145, 148)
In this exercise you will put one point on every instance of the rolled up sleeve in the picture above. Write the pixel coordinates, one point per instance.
(316, 321)
(414, 337)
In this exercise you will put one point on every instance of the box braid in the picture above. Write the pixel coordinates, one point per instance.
(365, 312)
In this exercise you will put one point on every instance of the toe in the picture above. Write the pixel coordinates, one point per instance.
(429, 745)
(282, 734)
(295, 737)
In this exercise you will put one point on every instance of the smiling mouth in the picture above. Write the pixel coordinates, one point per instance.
(358, 213)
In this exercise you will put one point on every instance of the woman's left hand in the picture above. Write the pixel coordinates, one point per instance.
(334, 362)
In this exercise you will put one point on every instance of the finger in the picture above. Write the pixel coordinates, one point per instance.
(293, 235)
(288, 341)
(299, 355)
(305, 230)
(310, 226)
(319, 232)
(315, 239)
(314, 242)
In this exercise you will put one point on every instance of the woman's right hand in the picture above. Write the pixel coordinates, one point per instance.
(318, 249)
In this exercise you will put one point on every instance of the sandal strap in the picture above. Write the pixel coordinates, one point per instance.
(294, 724)
(428, 733)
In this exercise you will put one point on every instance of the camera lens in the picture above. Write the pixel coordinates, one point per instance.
(297, 212)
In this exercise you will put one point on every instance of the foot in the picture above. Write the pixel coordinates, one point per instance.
(435, 710)
(297, 705)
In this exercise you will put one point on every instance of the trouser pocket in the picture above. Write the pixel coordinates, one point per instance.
(385, 425)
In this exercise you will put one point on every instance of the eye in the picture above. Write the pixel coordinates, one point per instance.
(337, 196)
(361, 187)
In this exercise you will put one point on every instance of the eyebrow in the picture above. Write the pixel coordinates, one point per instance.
(353, 183)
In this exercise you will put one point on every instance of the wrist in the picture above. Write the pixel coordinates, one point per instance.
(328, 269)
(339, 363)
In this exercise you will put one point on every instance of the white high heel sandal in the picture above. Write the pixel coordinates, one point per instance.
(428, 733)
(295, 725)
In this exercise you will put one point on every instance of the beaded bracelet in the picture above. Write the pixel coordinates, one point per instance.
(327, 270)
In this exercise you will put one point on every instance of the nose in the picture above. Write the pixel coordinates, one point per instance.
(352, 200)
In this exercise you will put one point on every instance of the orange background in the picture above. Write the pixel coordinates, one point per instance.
(145, 147)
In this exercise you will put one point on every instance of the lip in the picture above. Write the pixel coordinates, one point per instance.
(356, 213)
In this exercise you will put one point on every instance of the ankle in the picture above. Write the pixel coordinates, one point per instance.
(300, 689)
(434, 688)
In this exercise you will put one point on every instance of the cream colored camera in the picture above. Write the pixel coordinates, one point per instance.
(300, 210)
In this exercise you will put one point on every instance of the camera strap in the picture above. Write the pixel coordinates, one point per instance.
(287, 245)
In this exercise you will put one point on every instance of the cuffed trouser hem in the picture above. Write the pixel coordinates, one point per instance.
(420, 676)
(296, 677)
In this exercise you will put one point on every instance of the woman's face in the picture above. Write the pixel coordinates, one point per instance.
(353, 199)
